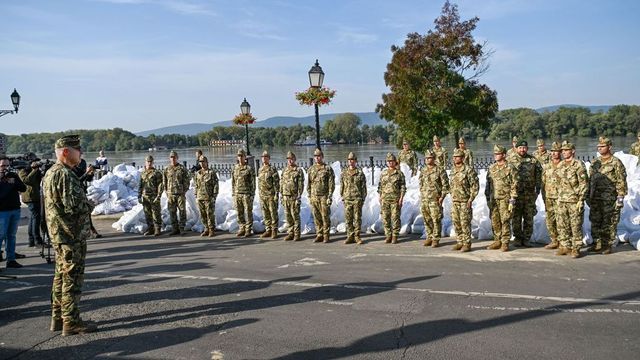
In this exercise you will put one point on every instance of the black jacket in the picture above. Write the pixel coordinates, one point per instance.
(9, 193)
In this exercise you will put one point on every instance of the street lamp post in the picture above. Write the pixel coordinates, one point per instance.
(316, 77)
(245, 109)
(15, 99)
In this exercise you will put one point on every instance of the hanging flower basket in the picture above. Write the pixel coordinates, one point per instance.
(244, 119)
(312, 96)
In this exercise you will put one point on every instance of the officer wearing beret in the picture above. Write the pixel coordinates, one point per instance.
(149, 193)
(529, 185)
(67, 211)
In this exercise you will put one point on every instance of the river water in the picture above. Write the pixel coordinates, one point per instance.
(482, 150)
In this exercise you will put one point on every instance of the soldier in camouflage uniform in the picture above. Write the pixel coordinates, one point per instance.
(468, 154)
(353, 190)
(409, 157)
(501, 191)
(206, 194)
(321, 183)
(513, 151)
(291, 188)
(606, 194)
(464, 187)
(176, 185)
(149, 193)
(572, 193)
(441, 153)
(434, 187)
(635, 147)
(243, 187)
(269, 186)
(550, 183)
(391, 190)
(67, 211)
(529, 184)
(541, 154)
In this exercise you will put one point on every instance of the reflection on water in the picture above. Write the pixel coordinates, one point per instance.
(481, 150)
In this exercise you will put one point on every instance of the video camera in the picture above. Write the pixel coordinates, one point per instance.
(30, 161)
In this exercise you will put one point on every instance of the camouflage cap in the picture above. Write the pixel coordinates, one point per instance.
(567, 146)
(390, 157)
(149, 158)
(203, 158)
(317, 152)
(429, 154)
(241, 152)
(522, 143)
(405, 142)
(436, 138)
(539, 142)
(291, 155)
(555, 146)
(499, 149)
(68, 141)
(173, 153)
(266, 154)
(351, 156)
(458, 152)
(514, 139)
(461, 141)
(604, 141)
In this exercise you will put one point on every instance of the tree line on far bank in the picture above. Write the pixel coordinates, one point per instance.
(620, 120)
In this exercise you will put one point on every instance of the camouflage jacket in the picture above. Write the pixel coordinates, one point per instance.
(464, 185)
(321, 180)
(31, 178)
(67, 208)
(635, 149)
(243, 180)
(410, 158)
(392, 184)
(441, 156)
(550, 180)
(529, 174)
(502, 183)
(543, 158)
(434, 182)
(511, 153)
(608, 179)
(151, 183)
(574, 181)
(353, 185)
(176, 180)
(292, 182)
(468, 157)
(268, 180)
(206, 184)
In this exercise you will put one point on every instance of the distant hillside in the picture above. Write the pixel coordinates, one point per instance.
(593, 108)
(369, 118)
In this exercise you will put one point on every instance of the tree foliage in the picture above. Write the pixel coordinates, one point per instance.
(433, 81)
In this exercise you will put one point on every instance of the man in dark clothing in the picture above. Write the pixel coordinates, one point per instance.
(85, 174)
(10, 186)
(32, 177)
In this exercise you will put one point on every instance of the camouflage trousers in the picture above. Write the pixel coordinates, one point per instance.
(244, 205)
(152, 212)
(207, 213)
(569, 221)
(551, 208)
(321, 214)
(604, 217)
(177, 203)
(500, 220)
(432, 215)
(269, 208)
(292, 214)
(67, 281)
(353, 217)
(461, 218)
(390, 211)
(522, 219)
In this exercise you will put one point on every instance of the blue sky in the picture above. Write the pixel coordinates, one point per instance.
(144, 64)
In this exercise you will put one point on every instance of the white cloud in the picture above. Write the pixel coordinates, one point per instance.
(257, 30)
(355, 36)
(177, 6)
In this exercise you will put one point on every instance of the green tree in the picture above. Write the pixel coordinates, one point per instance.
(433, 81)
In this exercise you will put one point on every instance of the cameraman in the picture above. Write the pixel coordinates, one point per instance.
(10, 185)
(85, 174)
(31, 177)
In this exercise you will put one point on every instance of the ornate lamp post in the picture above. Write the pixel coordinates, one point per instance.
(245, 109)
(15, 99)
(316, 77)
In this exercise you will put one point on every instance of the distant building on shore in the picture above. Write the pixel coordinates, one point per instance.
(223, 143)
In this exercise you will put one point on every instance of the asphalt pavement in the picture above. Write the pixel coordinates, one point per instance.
(190, 297)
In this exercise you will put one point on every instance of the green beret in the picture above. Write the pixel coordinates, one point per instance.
(522, 143)
(68, 141)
